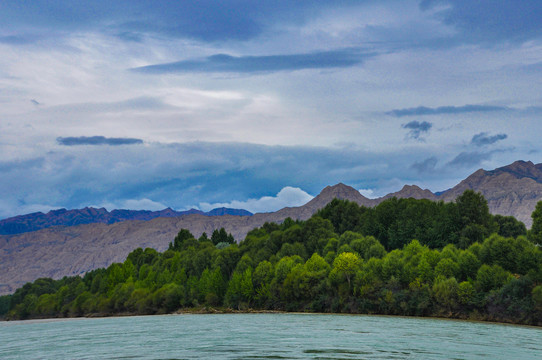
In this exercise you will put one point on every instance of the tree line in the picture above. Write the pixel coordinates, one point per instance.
(402, 257)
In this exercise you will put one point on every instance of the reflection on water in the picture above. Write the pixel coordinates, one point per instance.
(266, 336)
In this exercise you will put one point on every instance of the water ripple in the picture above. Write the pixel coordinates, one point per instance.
(266, 336)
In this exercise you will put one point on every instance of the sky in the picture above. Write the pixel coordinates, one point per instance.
(259, 104)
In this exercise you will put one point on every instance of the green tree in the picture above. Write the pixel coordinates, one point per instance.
(535, 234)
(182, 237)
(446, 292)
(447, 268)
(468, 265)
(346, 265)
(167, 298)
(509, 227)
(203, 237)
(240, 290)
(491, 277)
(466, 293)
(476, 221)
(4, 304)
(344, 215)
(212, 286)
(537, 297)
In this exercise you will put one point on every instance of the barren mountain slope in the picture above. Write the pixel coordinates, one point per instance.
(410, 191)
(59, 251)
(63, 251)
(511, 190)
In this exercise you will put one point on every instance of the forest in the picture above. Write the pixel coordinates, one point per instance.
(402, 257)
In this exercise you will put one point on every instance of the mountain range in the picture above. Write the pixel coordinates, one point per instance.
(59, 251)
(62, 217)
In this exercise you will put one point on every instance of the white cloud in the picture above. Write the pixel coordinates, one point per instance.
(134, 204)
(287, 197)
(8, 210)
(368, 193)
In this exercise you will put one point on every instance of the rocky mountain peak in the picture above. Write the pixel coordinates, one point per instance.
(339, 191)
(416, 192)
(522, 169)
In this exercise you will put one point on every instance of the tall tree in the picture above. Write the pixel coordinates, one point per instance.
(181, 237)
(476, 221)
(535, 234)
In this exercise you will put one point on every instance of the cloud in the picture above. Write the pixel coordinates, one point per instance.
(130, 36)
(425, 166)
(244, 20)
(268, 63)
(368, 193)
(468, 159)
(422, 110)
(202, 20)
(287, 197)
(417, 128)
(97, 140)
(483, 139)
(18, 165)
(133, 204)
(490, 22)
(142, 103)
(180, 175)
(17, 40)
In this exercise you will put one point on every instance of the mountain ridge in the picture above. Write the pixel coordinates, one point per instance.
(90, 215)
(510, 190)
(73, 250)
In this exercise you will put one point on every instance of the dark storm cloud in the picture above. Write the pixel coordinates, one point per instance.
(425, 166)
(483, 139)
(469, 159)
(268, 63)
(422, 110)
(417, 128)
(184, 175)
(97, 140)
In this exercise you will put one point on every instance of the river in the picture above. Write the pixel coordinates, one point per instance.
(266, 336)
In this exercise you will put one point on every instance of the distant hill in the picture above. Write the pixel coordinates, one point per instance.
(71, 250)
(62, 217)
(410, 191)
(510, 190)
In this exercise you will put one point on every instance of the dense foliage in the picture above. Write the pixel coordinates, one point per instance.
(404, 257)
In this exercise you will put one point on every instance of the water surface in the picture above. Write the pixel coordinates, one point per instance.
(266, 336)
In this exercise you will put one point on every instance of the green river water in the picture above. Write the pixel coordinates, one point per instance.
(266, 336)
